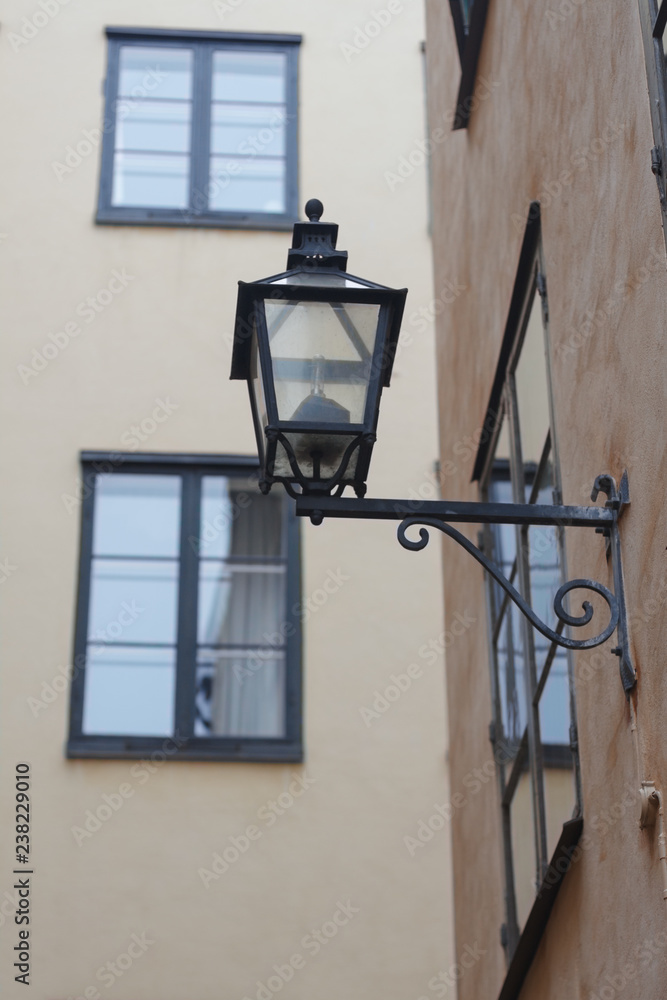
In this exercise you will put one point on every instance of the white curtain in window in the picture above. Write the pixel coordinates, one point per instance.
(249, 685)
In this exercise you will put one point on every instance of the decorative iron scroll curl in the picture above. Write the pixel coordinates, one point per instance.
(563, 616)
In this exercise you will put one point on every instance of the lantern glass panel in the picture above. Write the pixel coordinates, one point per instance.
(321, 279)
(258, 384)
(321, 354)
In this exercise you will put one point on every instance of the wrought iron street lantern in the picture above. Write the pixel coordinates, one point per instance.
(316, 346)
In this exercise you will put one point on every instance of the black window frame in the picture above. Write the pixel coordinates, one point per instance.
(183, 744)
(469, 36)
(530, 754)
(203, 44)
(653, 18)
(554, 755)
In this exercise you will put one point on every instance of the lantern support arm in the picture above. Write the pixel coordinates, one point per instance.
(441, 514)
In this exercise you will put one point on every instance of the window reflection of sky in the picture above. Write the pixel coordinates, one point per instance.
(133, 599)
(545, 581)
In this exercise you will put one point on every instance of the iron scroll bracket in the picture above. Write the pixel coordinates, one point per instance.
(441, 514)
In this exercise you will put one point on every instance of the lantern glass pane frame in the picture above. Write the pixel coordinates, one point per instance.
(254, 361)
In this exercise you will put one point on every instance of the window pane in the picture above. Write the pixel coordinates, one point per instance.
(532, 388)
(499, 486)
(503, 453)
(523, 849)
(544, 557)
(240, 603)
(241, 598)
(510, 647)
(137, 515)
(504, 535)
(130, 692)
(229, 512)
(544, 577)
(511, 676)
(545, 580)
(249, 76)
(238, 185)
(162, 126)
(218, 511)
(555, 703)
(133, 600)
(500, 491)
(157, 181)
(153, 115)
(152, 71)
(248, 130)
(240, 693)
(247, 169)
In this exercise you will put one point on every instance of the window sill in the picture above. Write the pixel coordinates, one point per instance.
(144, 217)
(538, 917)
(169, 748)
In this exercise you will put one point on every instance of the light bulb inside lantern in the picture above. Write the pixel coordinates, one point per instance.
(317, 447)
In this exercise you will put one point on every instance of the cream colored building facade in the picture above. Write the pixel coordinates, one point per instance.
(152, 876)
(546, 208)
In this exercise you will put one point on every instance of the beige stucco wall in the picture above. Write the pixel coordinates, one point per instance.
(166, 335)
(563, 118)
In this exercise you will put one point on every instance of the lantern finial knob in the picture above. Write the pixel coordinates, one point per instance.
(314, 209)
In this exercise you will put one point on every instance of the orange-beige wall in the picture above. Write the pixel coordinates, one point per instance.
(561, 117)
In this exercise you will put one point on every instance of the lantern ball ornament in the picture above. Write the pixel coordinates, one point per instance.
(316, 346)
